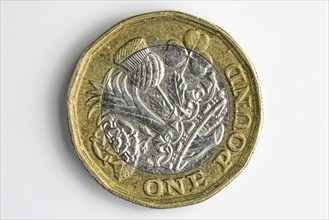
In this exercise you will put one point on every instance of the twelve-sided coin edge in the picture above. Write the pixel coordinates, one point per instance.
(73, 124)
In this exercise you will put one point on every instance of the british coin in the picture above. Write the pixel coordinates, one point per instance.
(164, 109)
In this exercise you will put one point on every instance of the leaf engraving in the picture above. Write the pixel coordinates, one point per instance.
(95, 94)
(122, 171)
(159, 105)
(218, 134)
(196, 41)
(177, 88)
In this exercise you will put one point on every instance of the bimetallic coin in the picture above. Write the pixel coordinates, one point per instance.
(164, 109)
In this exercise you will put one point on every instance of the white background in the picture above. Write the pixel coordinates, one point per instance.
(287, 176)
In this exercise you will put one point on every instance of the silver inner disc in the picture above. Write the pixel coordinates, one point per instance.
(165, 110)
